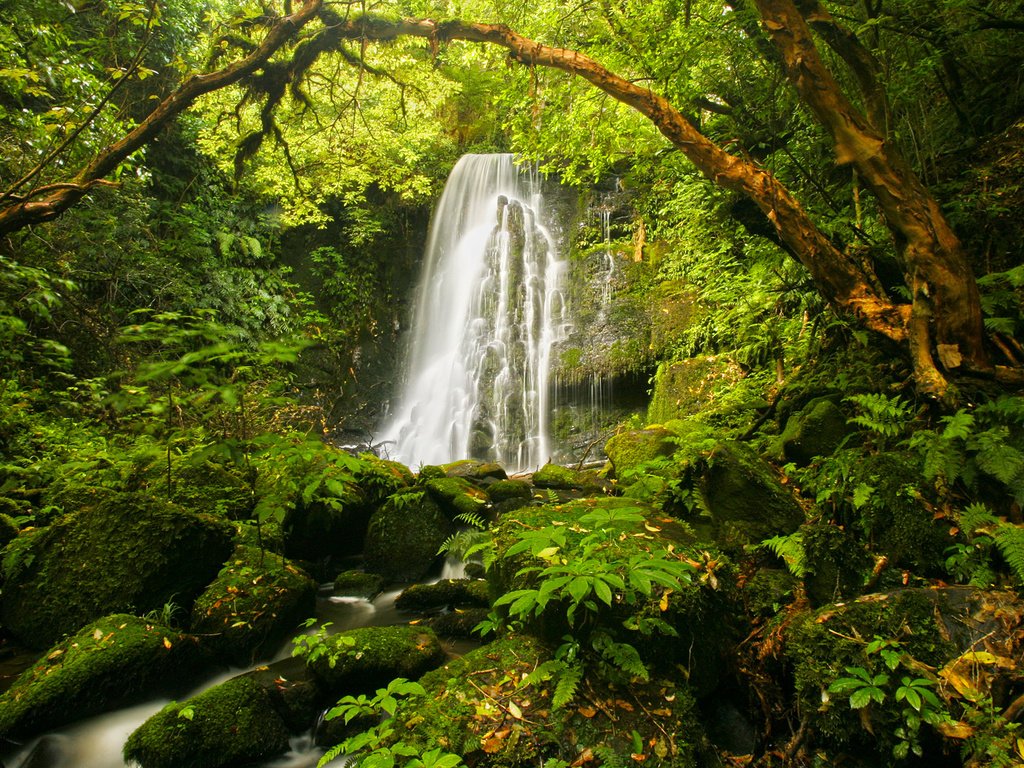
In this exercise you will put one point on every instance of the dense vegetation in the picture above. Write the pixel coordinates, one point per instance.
(210, 217)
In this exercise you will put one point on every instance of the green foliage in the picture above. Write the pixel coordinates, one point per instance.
(880, 414)
(314, 647)
(584, 569)
(974, 560)
(381, 746)
(791, 550)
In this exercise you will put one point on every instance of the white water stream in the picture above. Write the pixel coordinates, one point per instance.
(488, 311)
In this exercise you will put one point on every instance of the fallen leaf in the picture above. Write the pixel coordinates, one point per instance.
(167, 643)
(515, 711)
(587, 712)
(957, 730)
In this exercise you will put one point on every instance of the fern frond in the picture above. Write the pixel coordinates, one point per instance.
(472, 519)
(791, 550)
(1009, 539)
(565, 688)
(975, 517)
(886, 416)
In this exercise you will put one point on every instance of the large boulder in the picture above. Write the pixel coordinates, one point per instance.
(107, 664)
(688, 387)
(630, 449)
(234, 723)
(457, 496)
(362, 660)
(404, 536)
(131, 553)
(256, 600)
(816, 430)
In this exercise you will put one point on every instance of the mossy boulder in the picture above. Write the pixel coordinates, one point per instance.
(836, 562)
(131, 552)
(481, 472)
(746, 500)
(331, 520)
(816, 430)
(404, 535)
(688, 387)
(566, 479)
(358, 584)
(446, 593)
(8, 530)
(928, 629)
(256, 600)
(209, 487)
(109, 663)
(627, 450)
(502, 491)
(457, 496)
(477, 706)
(232, 724)
(617, 535)
(362, 660)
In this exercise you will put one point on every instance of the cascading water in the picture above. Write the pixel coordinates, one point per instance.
(488, 311)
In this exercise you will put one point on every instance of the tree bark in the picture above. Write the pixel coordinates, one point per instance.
(946, 319)
(49, 202)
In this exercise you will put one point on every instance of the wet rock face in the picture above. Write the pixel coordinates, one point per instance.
(131, 552)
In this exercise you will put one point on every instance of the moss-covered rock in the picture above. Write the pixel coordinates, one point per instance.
(688, 387)
(358, 584)
(627, 450)
(767, 591)
(746, 501)
(131, 552)
(509, 490)
(404, 536)
(816, 430)
(567, 479)
(212, 488)
(481, 472)
(457, 496)
(332, 522)
(252, 605)
(8, 530)
(477, 706)
(836, 563)
(231, 724)
(447, 593)
(629, 532)
(927, 629)
(109, 663)
(362, 660)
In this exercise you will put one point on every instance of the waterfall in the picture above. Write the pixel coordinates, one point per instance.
(488, 310)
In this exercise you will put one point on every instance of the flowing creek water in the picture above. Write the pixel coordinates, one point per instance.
(489, 310)
(97, 742)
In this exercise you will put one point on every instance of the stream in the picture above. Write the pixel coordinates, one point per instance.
(97, 742)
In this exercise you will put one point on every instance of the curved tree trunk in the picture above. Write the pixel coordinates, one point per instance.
(946, 311)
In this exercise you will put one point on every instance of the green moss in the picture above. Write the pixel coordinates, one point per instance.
(208, 487)
(8, 530)
(255, 601)
(404, 536)
(817, 430)
(430, 472)
(564, 478)
(627, 450)
(767, 591)
(467, 704)
(358, 583)
(231, 724)
(129, 553)
(836, 563)
(107, 664)
(457, 495)
(689, 387)
(506, 490)
(932, 627)
(328, 525)
(447, 593)
(364, 659)
(477, 471)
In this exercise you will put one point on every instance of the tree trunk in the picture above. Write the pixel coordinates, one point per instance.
(946, 316)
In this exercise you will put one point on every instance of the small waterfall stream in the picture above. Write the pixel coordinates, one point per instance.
(488, 312)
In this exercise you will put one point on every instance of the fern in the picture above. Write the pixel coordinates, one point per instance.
(472, 519)
(791, 550)
(975, 518)
(565, 688)
(1009, 538)
(885, 416)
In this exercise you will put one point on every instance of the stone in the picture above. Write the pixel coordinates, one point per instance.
(404, 536)
(257, 600)
(130, 553)
(108, 664)
(688, 387)
(234, 723)
(817, 430)
(628, 450)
